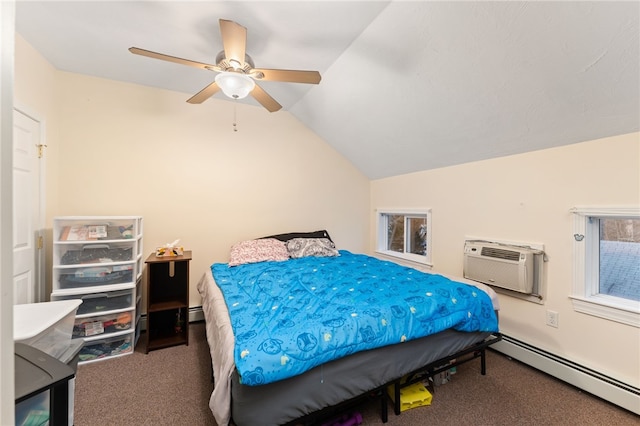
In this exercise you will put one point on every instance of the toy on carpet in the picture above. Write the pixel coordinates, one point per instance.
(351, 419)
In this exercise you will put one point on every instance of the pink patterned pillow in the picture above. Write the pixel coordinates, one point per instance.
(252, 251)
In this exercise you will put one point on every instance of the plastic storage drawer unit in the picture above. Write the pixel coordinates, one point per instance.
(99, 259)
(46, 326)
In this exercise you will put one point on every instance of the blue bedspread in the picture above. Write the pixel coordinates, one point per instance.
(291, 316)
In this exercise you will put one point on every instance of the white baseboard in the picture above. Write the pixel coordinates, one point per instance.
(195, 314)
(607, 388)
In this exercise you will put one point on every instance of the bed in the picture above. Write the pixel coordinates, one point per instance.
(362, 323)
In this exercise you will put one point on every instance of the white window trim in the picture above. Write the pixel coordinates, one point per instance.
(584, 291)
(381, 235)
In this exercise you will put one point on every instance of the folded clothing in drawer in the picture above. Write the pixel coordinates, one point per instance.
(99, 275)
(103, 302)
(97, 253)
(103, 348)
(93, 326)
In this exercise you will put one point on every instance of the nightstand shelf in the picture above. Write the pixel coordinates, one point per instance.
(167, 301)
(163, 306)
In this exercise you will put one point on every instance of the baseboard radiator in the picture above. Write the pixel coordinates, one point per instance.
(600, 385)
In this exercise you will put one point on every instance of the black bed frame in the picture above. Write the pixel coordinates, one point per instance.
(443, 364)
(426, 372)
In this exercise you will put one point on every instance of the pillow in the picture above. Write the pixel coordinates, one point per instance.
(291, 235)
(302, 247)
(253, 251)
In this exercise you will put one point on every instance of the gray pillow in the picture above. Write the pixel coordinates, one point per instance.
(303, 247)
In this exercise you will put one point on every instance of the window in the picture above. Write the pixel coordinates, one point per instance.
(607, 263)
(405, 234)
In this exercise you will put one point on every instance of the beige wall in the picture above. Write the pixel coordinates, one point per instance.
(123, 149)
(527, 198)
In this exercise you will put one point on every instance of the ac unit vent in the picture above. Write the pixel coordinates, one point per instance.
(508, 267)
(500, 253)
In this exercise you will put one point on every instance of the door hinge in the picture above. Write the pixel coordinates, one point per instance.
(40, 242)
(40, 149)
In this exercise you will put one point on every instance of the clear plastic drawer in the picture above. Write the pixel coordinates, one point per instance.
(95, 276)
(101, 324)
(108, 347)
(95, 230)
(79, 254)
(96, 303)
(46, 326)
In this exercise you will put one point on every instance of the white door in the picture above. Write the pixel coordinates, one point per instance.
(27, 236)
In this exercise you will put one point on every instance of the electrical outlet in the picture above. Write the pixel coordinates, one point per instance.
(552, 319)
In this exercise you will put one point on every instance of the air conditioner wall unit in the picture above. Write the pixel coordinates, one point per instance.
(508, 267)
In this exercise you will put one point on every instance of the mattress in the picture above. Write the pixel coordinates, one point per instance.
(291, 316)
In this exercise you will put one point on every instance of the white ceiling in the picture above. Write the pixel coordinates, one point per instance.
(406, 85)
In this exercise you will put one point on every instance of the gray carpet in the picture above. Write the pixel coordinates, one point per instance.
(171, 387)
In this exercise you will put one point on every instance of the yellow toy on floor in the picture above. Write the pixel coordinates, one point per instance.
(412, 396)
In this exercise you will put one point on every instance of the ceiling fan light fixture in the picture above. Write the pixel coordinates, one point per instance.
(235, 85)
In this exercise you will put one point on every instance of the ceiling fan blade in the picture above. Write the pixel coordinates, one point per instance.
(174, 59)
(265, 99)
(204, 94)
(292, 76)
(234, 40)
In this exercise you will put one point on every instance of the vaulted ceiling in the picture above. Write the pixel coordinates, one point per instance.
(406, 85)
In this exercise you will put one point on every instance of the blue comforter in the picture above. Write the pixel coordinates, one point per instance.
(291, 316)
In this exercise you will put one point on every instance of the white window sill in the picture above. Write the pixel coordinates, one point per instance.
(612, 308)
(407, 257)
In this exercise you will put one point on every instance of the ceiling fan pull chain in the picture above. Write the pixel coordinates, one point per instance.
(235, 125)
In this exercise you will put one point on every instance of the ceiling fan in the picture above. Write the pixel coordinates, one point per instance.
(237, 74)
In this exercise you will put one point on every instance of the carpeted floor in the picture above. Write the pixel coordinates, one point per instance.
(172, 386)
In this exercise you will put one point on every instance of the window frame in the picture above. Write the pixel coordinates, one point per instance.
(585, 294)
(382, 234)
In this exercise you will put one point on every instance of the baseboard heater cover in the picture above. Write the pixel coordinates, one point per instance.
(600, 385)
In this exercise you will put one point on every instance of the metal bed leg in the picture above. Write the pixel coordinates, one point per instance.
(213, 379)
(396, 397)
(483, 362)
(384, 411)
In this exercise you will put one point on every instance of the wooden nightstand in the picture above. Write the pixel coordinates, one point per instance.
(167, 301)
